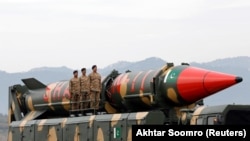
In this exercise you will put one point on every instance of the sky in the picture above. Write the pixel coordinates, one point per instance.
(81, 33)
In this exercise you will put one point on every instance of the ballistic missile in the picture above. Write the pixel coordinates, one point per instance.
(168, 87)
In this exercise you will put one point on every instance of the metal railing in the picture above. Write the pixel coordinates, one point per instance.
(82, 111)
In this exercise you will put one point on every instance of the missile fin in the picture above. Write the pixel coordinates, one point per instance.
(33, 84)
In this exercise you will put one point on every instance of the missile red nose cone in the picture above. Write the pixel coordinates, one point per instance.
(194, 83)
(214, 82)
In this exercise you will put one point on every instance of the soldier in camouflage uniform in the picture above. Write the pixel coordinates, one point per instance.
(74, 89)
(95, 87)
(84, 89)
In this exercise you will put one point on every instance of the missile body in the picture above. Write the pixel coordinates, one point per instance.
(167, 87)
(170, 86)
(54, 97)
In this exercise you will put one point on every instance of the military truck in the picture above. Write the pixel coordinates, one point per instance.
(39, 112)
(228, 114)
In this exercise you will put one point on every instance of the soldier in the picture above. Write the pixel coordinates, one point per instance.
(74, 89)
(84, 89)
(95, 87)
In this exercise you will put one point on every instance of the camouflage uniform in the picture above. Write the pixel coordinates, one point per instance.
(74, 89)
(95, 89)
(84, 91)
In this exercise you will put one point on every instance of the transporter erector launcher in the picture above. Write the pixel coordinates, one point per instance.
(41, 112)
(162, 89)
